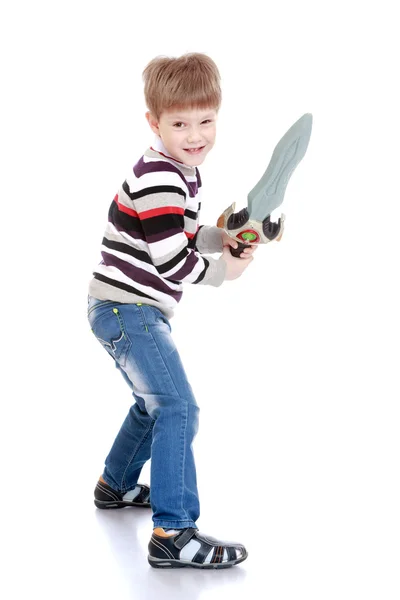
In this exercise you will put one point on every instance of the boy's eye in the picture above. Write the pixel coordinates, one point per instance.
(179, 124)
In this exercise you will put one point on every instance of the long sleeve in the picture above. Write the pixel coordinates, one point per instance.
(162, 217)
(208, 239)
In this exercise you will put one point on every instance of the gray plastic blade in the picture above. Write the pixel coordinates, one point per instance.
(269, 192)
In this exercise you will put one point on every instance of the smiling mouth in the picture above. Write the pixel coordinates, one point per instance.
(194, 150)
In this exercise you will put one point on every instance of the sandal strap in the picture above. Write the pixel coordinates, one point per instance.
(201, 553)
(207, 545)
(143, 495)
(231, 553)
(184, 538)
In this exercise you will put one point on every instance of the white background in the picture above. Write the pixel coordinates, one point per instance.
(295, 365)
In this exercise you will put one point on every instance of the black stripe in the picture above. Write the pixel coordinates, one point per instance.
(149, 226)
(124, 221)
(190, 214)
(201, 276)
(154, 225)
(193, 242)
(173, 262)
(126, 249)
(121, 286)
(156, 189)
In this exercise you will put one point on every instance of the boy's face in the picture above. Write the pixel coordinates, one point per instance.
(188, 135)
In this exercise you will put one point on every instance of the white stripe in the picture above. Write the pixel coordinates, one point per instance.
(124, 199)
(193, 275)
(193, 203)
(126, 238)
(147, 180)
(169, 247)
(190, 225)
(141, 265)
(114, 273)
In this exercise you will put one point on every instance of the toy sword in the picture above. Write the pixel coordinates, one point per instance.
(253, 224)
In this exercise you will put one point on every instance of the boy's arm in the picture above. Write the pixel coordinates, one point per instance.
(161, 215)
(208, 239)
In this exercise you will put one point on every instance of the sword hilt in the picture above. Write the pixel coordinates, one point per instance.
(247, 231)
(236, 252)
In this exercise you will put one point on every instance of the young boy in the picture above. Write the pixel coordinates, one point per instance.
(152, 245)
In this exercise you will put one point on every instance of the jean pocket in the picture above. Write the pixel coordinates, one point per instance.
(96, 305)
(164, 321)
(110, 330)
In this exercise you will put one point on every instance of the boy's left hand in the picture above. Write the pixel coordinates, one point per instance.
(228, 241)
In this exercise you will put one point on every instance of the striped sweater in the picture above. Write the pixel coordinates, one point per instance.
(153, 242)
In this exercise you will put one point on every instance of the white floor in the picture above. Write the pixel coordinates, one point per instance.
(79, 552)
(316, 506)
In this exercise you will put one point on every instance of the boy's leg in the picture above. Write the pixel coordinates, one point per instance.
(160, 385)
(138, 337)
(132, 446)
(134, 439)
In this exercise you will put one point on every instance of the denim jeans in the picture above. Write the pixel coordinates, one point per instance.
(163, 421)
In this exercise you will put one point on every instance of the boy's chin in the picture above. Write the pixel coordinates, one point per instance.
(194, 160)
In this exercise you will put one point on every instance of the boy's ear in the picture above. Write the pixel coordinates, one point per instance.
(153, 123)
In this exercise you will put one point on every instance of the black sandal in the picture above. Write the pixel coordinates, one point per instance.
(106, 497)
(165, 551)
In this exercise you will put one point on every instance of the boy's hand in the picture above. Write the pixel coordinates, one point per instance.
(228, 241)
(234, 266)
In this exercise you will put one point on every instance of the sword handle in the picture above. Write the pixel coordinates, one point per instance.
(236, 252)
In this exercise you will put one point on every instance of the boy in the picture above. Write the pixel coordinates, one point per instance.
(151, 245)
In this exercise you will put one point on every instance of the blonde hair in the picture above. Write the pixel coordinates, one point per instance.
(190, 81)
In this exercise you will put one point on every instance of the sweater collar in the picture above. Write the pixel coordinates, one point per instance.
(158, 146)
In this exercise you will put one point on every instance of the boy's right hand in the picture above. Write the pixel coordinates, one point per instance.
(234, 266)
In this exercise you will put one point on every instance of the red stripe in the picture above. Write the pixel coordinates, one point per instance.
(191, 235)
(163, 210)
(125, 209)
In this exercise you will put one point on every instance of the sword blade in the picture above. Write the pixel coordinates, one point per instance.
(269, 192)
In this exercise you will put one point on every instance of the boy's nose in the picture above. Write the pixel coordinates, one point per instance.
(194, 136)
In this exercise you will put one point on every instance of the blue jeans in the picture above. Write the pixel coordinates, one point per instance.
(163, 421)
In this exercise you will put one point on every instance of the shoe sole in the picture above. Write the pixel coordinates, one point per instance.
(161, 563)
(103, 504)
